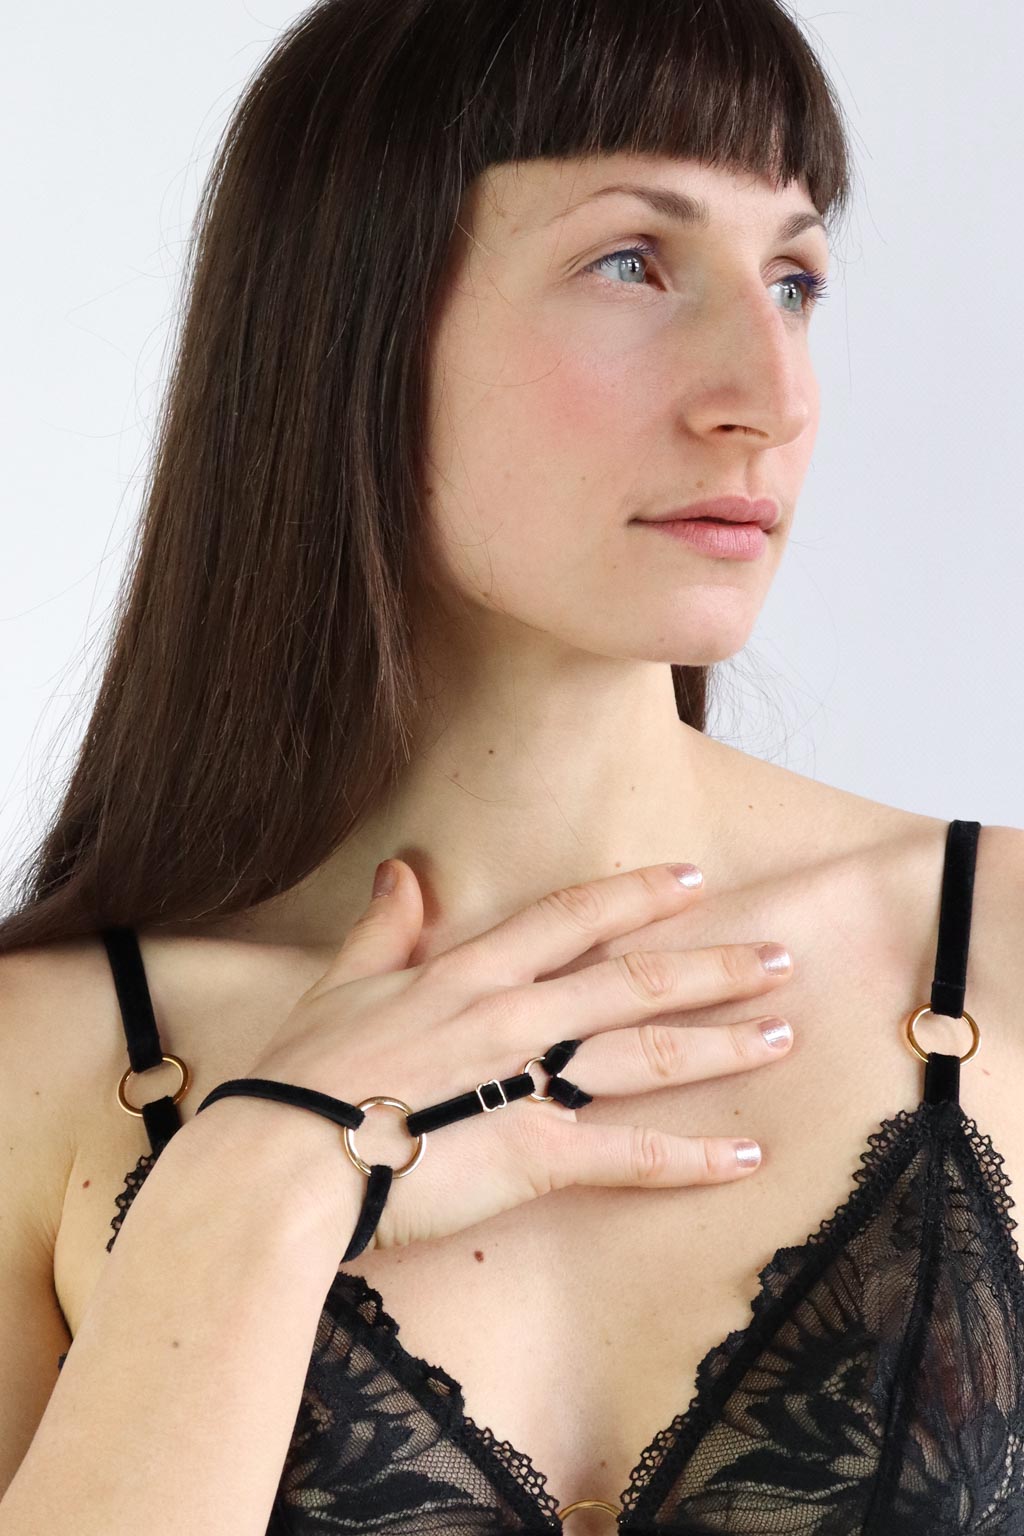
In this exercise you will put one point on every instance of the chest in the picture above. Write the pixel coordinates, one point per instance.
(576, 1325)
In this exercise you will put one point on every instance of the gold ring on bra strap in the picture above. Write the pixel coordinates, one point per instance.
(350, 1147)
(186, 1078)
(924, 1054)
(568, 1509)
(542, 1098)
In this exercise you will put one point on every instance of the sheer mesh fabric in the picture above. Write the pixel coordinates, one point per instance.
(875, 1391)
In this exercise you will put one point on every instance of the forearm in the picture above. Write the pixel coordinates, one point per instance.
(176, 1404)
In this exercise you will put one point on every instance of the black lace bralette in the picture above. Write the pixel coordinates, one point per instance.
(875, 1391)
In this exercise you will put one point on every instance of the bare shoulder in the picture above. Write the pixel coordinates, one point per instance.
(997, 922)
(62, 1040)
(890, 860)
(54, 1003)
(904, 878)
(900, 855)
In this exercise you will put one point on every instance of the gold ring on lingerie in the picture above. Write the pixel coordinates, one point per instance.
(586, 1504)
(186, 1078)
(347, 1133)
(924, 1054)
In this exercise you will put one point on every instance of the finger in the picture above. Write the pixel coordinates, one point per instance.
(635, 986)
(563, 924)
(386, 932)
(631, 1156)
(660, 1054)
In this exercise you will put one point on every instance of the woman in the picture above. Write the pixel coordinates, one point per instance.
(481, 294)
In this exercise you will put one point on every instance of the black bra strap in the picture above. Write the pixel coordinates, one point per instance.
(161, 1117)
(949, 984)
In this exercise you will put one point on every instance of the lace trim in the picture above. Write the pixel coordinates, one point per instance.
(132, 1184)
(1000, 1247)
(793, 1269)
(993, 1259)
(439, 1393)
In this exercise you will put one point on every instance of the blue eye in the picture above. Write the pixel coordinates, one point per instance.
(813, 285)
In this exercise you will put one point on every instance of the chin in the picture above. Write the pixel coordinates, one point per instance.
(692, 647)
(706, 656)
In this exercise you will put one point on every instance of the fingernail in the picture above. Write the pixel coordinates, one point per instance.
(774, 958)
(748, 1153)
(688, 875)
(777, 1032)
(384, 878)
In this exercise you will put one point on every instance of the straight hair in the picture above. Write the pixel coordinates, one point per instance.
(259, 684)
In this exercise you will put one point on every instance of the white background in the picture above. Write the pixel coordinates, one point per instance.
(887, 658)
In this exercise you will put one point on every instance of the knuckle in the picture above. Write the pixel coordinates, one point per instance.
(664, 1050)
(580, 906)
(734, 960)
(439, 968)
(534, 1139)
(653, 882)
(650, 1154)
(499, 1014)
(542, 1151)
(649, 972)
(454, 974)
(741, 1045)
(707, 1160)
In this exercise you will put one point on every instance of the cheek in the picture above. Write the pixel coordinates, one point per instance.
(557, 420)
(522, 448)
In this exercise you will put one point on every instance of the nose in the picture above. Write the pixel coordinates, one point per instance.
(758, 381)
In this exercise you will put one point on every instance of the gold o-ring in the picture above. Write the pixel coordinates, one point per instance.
(183, 1088)
(347, 1133)
(586, 1504)
(976, 1037)
(542, 1098)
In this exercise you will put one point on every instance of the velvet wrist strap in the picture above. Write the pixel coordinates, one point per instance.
(485, 1098)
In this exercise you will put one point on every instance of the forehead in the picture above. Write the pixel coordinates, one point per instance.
(540, 197)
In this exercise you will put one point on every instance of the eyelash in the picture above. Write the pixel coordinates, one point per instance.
(813, 283)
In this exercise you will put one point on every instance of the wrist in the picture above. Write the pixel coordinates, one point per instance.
(282, 1159)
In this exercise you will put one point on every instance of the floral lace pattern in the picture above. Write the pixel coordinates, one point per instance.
(878, 1385)
(877, 1388)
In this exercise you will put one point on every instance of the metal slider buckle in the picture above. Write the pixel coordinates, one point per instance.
(489, 1108)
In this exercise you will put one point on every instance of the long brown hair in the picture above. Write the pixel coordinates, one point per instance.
(260, 682)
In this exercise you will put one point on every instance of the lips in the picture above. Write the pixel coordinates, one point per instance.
(763, 511)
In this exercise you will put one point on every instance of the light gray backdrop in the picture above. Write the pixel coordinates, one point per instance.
(887, 659)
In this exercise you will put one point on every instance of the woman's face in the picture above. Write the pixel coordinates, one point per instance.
(576, 389)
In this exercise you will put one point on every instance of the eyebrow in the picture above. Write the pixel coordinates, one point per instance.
(685, 209)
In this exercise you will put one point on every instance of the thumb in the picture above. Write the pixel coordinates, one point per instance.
(383, 937)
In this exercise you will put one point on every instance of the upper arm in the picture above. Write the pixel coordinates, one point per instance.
(995, 966)
(36, 1162)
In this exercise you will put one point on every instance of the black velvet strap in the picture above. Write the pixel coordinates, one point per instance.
(494, 1094)
(288, 1093)
(378, 1184)
(559, 1087)
(485, 1099)
(942, 1078)
(950, 981)
(378, 1187)
(161, 1117)
(949, 984)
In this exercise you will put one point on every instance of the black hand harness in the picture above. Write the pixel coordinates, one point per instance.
(418, 1122)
